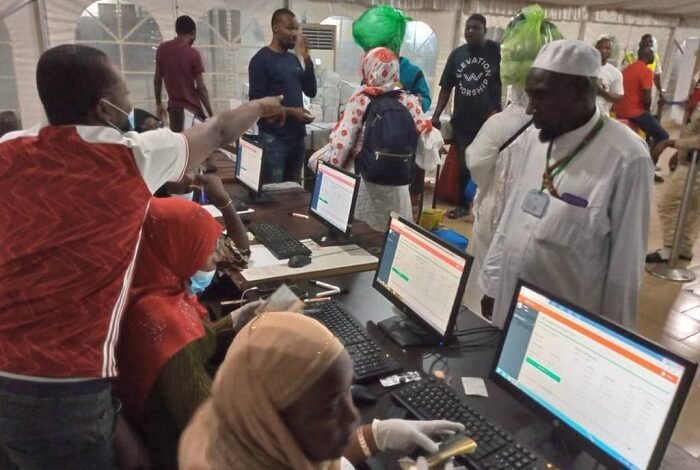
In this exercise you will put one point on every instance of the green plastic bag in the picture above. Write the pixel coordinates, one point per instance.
(524, 36)
(380, 26)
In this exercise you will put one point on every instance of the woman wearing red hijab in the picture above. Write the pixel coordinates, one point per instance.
(167, 338)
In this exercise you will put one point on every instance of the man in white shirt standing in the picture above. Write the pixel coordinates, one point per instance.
(577, 220)
(610, 89)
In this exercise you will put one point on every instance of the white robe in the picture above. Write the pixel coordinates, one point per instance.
(594, 256)
(490, 170)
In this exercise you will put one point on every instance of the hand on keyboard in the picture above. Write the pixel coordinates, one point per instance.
(431, 398)
(405, 435)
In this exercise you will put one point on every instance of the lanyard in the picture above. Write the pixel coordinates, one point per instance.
(551, 171)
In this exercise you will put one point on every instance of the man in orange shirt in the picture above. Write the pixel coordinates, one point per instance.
(638, 81)
(635, 106)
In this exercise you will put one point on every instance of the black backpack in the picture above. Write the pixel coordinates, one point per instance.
(389, 143)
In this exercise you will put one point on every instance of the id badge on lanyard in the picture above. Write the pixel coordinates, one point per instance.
(536, 203)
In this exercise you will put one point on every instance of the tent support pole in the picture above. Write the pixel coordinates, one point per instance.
(42, 26)
(585, 15)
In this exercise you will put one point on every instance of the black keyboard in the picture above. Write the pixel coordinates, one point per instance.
(369, 360)
(278, 240)
(431, 398)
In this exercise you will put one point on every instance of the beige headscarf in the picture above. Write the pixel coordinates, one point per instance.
(270, 364)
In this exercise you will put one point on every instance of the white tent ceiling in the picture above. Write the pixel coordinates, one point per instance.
(660, 7)
(27, 27)
(665, 7)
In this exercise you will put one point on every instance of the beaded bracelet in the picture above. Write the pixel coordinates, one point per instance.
(363, 443)
(230, 201)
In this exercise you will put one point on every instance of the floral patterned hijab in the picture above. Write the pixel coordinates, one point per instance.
(380, 74)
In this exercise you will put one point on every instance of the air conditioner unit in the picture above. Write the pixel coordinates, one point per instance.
(321, 41)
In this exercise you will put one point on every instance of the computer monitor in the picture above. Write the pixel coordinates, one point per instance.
(249, 165)
(620, 393)
(424, 277)
(333, 201)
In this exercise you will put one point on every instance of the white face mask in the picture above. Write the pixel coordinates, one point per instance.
(189, 196)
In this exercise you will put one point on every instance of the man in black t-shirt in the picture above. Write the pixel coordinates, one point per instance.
(474, 71)
(275, 70)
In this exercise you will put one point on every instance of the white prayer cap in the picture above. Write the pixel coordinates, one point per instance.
(570, 57)
(605, 37)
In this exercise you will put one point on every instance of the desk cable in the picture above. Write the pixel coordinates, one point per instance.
(245, 292)
(335, 253)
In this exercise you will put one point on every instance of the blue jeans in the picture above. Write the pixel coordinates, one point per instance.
(283, 158)
(56, 425)
(651, 127)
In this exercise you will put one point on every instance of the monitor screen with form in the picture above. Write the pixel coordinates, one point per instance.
(334, 196)
(249, 164)
(422, 273)
(619, 392)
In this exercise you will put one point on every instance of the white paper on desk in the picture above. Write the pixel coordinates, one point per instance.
(215, 212)
(474, 386)
(263, 265)
(261, 257)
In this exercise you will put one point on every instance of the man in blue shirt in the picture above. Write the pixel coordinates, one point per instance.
(274, 71)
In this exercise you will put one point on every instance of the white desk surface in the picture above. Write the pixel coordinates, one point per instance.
(263, 266)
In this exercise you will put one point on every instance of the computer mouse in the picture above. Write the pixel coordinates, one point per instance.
(298, 261)
(362, 395)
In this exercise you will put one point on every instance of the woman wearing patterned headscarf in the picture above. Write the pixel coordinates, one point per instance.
(380, 74)
(167, 338)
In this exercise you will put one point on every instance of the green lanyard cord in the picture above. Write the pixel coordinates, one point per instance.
(552, 171)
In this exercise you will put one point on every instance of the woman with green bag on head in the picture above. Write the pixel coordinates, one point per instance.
(385, 26)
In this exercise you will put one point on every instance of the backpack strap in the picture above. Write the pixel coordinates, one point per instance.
(515, 136)
(373, 98)
(419, 77)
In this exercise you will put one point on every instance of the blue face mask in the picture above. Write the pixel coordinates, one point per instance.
(201, 280)
(130, 118)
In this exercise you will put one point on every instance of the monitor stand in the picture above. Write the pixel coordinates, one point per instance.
(406, 333)
(334, 238)
(258, 198)
(551, 440)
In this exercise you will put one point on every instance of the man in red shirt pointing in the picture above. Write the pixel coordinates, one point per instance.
(77, 192)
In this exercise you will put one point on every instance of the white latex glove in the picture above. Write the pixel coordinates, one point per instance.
(241, 316)
(422, 464)
(404, 435)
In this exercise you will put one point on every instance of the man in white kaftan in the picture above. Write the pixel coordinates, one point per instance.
(580, 233)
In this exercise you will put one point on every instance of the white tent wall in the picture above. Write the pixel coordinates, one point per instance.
(227, 48)
(23, 30)
(445, 17)
(62, 16)
(62, 21)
